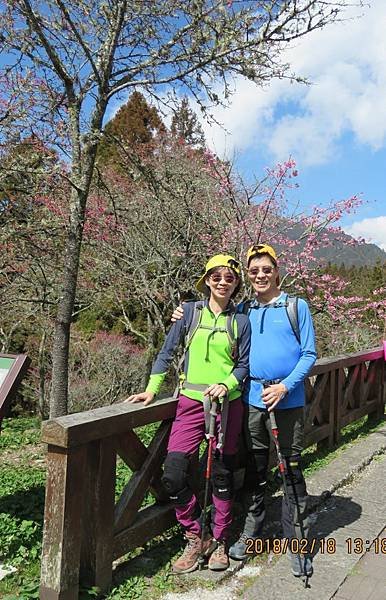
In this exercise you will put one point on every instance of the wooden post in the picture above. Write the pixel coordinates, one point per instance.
(379, 384)
(98, 520)
(334, 382)
(340, 381)
(327, 410)
(62, 524)
(381, 388)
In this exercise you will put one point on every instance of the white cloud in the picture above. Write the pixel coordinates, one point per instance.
(373, 230)
(346, 63)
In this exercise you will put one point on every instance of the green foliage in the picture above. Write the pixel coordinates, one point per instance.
(19, 539)
(362, 280)
(21, 521)
(21, 507)
(18, 433)
(100, 317)
(28, 588)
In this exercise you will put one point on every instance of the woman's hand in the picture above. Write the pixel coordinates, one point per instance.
(272, 395)
(177, 315)
(216, 390)
(145, 397)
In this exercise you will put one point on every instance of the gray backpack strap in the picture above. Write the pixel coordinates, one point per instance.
(194, 323)
(292, 314)
(190, 331)
(232, 337)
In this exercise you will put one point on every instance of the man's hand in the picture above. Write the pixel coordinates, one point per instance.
(272, 395)
(177, 315)
(145, 397)
(216, 390)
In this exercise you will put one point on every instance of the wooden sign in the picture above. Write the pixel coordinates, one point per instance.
(13, 368)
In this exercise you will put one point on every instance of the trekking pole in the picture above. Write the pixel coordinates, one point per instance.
(208, 473)
(282, 467)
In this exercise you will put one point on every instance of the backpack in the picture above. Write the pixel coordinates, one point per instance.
(291, 306)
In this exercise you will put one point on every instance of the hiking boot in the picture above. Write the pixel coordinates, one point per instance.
(188, 561)
(238, 550)
(219, 560)
(301, 565)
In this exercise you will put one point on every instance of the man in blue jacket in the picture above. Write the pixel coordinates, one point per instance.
(282, 354)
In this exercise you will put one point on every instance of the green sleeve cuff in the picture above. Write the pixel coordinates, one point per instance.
(155, 382)
(231, 382)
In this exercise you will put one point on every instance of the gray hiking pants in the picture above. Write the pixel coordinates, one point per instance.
(257, 434)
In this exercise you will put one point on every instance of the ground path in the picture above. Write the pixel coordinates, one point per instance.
(350, 513)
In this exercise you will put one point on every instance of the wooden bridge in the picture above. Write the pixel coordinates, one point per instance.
(85, 529)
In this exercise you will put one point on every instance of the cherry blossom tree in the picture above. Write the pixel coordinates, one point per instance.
(68, 60)
(187, 206)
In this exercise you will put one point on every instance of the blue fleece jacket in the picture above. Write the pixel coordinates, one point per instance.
(276, 354)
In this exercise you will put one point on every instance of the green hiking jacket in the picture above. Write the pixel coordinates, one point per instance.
(208, 358)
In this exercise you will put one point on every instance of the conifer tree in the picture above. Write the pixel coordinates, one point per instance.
(135, 124)
(185, 125)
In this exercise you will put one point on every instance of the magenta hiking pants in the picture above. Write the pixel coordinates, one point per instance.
(188, 431)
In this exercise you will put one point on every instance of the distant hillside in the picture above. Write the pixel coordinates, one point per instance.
(360, 255)
(341, 253)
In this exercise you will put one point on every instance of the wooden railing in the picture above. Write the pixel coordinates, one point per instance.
(85, 529)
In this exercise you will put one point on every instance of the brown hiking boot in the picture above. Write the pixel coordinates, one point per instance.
(188, 561)
(219, 560)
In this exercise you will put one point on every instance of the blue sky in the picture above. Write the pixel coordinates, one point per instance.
(335, 128)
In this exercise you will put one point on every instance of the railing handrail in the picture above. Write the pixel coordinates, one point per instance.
(83, 427)
(343, 361)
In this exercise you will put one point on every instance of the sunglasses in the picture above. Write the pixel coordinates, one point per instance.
(256, 270)
(216, 278)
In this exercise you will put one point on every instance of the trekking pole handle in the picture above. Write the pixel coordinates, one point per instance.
(213, 416)
(272, 418)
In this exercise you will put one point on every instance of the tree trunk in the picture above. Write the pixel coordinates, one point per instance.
(61, 343)
(83, 160)
(42, 374)
(151, 350)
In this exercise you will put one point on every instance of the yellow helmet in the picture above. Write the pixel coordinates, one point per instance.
(219, 260)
